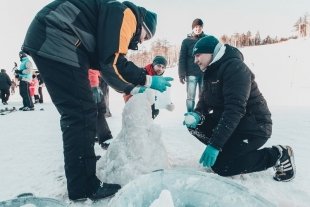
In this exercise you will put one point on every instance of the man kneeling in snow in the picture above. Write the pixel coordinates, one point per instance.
(232, 117)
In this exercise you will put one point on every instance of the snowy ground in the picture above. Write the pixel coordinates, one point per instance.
(31, 146)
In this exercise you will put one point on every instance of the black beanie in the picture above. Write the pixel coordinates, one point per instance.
(205, 45)
(150, 22)
(197, 22)
(22, 54)
(159, 60)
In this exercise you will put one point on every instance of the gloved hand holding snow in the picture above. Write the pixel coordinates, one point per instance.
(191, 119)
(158, 83)
(137, 89)
(170, 107)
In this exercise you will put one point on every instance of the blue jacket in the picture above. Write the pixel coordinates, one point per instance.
(25, 69)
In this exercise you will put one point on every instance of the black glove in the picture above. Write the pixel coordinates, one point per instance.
(182, 79)
(18, 72)
(97, 94)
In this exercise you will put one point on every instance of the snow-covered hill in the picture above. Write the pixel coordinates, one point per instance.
(31, 157)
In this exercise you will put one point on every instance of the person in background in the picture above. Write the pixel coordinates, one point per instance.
(157, 67)
(105, 89)
(232, 117)
(13, 86)
(33, 89)
(5, 83)
(103, 132)
(15, 75)
(89, 34)
(40, 88)
(189, 71)
(24, 74)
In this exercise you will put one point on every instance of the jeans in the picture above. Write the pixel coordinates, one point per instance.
(192, 82)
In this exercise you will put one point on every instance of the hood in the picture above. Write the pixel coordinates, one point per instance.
(230, 53)
(139, 12)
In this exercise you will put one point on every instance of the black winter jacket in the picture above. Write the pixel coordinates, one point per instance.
(5, 81)
(187, 67)
(231, 101)
(90, 34)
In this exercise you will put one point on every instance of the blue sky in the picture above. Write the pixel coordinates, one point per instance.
(273, 17)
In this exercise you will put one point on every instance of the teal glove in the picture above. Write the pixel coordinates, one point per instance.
(137, 89)
(191, 119)
(209, 156)
(97, 94)
(160, 83)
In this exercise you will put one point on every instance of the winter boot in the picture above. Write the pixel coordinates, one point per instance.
(285, 166)
(28, 109)
(105, 190)
(105, 145)
(22, 108)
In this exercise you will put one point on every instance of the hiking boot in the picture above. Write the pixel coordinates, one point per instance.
(105, 190)
(285, 166)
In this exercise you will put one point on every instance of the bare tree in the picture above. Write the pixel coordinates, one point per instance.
(257, 40)
(302, 26)
(162, 47)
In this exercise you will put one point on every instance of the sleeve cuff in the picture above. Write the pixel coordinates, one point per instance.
(135, 90)
(148, 81)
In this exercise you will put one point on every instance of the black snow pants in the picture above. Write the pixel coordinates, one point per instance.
(103, 130)
(70, 91)
(241, 154)
(25, 94)
(5, 94)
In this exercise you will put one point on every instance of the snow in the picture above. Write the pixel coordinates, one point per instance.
(31, 144)
(138, 148)
(189, 119)
(186, 187)
(165, 199)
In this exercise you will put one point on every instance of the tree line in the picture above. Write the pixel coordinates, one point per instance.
(144, 56)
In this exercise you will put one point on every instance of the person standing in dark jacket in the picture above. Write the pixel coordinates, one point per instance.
(106, 94)
(189, 72)
(41, 85)
(5, 84)
(97, 84)
(232, 117)
(65, 39)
